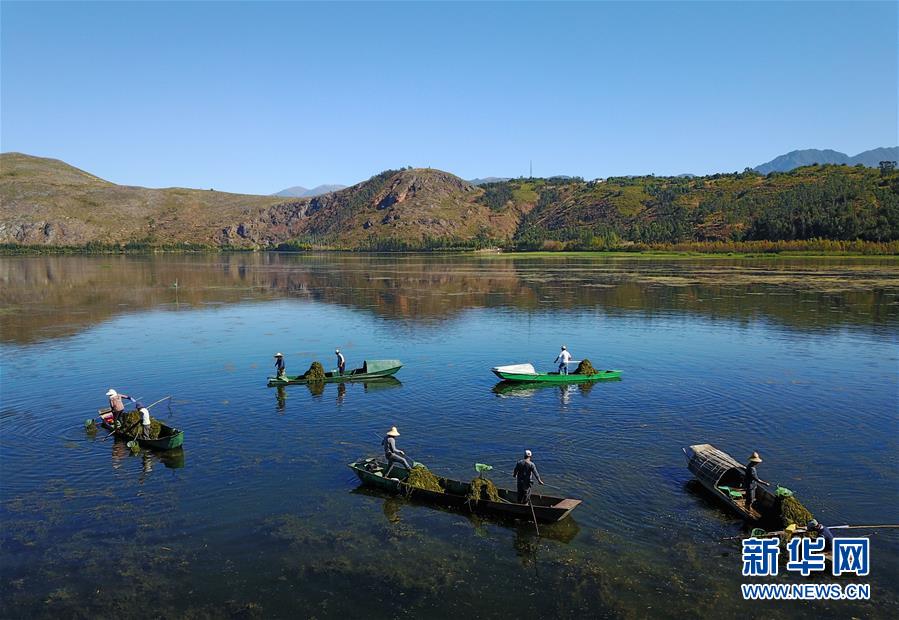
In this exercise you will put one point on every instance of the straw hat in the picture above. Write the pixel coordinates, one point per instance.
(278, 355)
(791, 528)
(564, 347)
(337, 350)
(812, 524)
(111, 392)
(527, 454)
(393, 432)
(755, 458)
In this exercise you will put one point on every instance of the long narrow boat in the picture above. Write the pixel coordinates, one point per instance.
(527, 373)
(547, 509)
(169, 437)
(723, 476)
(371, 369)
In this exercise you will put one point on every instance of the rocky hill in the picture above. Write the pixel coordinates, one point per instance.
(46, 202)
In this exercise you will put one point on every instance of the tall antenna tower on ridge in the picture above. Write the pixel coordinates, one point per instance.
(531, 170)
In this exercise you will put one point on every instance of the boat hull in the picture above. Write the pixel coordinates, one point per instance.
(169, 437)
(545, 508)
(554, 377)
(331, 377)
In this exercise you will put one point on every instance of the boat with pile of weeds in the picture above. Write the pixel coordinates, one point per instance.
(484, 499)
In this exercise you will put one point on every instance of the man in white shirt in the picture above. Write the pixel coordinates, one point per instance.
(563, 359)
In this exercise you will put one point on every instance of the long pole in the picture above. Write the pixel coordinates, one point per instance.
(533, 514)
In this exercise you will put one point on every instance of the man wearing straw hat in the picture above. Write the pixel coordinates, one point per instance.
(394, 455)
(279, 364)
(751, 480)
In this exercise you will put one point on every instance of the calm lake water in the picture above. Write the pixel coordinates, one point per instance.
(258, 515)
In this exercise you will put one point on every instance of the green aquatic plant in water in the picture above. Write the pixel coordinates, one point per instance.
(483, 488)
(421, 477)
(90, 425)
(586, 368)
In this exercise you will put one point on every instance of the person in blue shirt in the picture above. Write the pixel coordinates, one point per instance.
(394, 455)
(525, 473)
(279, 364)
(821, 530)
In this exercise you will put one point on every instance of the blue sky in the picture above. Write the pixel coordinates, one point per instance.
(255, 97)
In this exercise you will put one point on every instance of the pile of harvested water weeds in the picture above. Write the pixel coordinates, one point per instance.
(421, 477)
(131, 423)
(586, 368)
(316, 372)
(792, 511)
(483, 488)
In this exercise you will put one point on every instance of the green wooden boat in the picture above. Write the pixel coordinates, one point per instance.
(544, 508)
(527, 373)
(371, 369)
(169, 437)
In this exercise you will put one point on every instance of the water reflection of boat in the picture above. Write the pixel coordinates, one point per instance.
(371, 369)
(317, 389)
(563, 531)
(508, 389)
(171, 459)
(545, 508)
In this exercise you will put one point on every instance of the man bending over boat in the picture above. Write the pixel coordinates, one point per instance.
(115, 404)
(563, 359)
(394, 455)
(341, 361)
(526, 472)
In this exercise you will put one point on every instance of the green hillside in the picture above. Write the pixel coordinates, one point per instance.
(45, 203)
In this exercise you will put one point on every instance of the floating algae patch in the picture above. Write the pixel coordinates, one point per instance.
(316, 372)
(483, 488)
(585, 368)
(132, 419)
(421, 477)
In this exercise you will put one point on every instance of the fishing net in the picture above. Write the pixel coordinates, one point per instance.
(316, 372)
(132, 419)
(791, 509)
(483, 488)
(586, 368)
(420, 477)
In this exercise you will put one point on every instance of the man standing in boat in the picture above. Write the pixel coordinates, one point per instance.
(526, 472)
(563, 359)
(115, 404)
(394, 455)
(341, 361)
(751, 480)
(144, 420)
(279, 364)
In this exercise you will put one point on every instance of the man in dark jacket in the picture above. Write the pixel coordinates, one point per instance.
(751, 480)
(526, 472)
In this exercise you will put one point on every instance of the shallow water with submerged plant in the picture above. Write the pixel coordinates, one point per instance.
(259, 516)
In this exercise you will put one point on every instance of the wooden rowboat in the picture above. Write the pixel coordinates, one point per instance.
(723, 476)
(547, 509)
(527, 373)
(169, 437)
(371, 369)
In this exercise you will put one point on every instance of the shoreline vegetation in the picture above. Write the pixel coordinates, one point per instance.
(819, 248)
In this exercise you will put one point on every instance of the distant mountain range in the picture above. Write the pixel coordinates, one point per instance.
(807, 157)
(298, 191)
